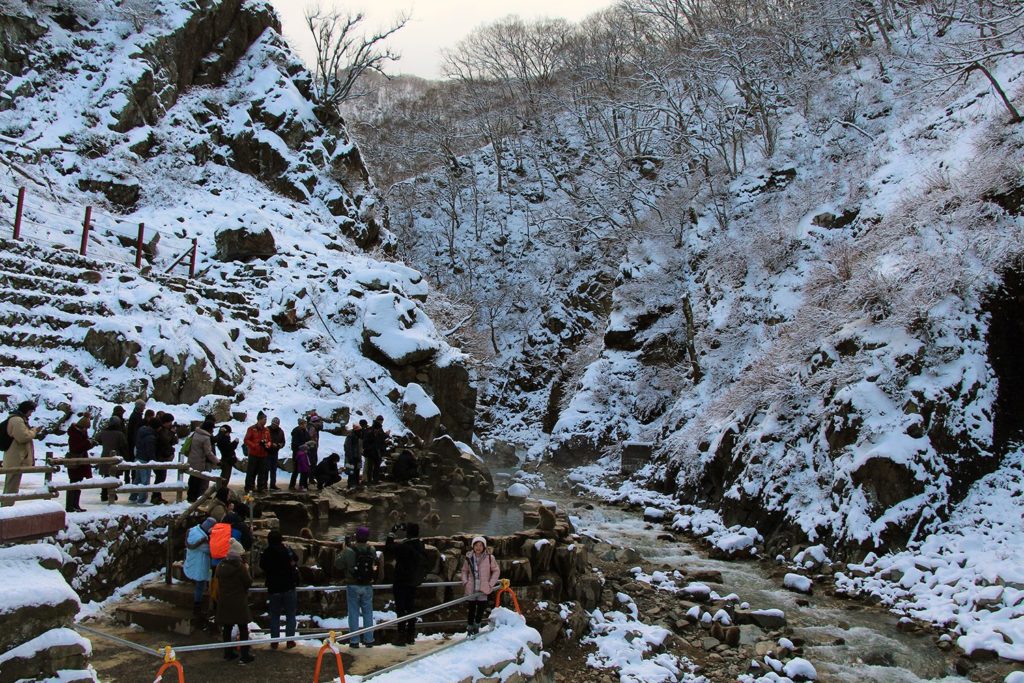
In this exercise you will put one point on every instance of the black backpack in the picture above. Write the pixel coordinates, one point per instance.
(6, 441)
(365, 569)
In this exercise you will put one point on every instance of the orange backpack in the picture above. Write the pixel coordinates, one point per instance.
(220, 540)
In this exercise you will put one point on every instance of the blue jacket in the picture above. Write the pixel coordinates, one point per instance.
(197, 559)
(145, 444)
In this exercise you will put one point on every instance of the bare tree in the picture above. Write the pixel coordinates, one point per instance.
(343, 53)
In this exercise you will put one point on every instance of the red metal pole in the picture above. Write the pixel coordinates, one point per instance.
(18, 213)
(138, 246)
(85, 230)
(192, 261)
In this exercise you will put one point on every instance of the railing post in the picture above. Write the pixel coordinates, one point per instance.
(18, 213)
(48, 477)
(138, 246)
(192, 261)
(85, 230)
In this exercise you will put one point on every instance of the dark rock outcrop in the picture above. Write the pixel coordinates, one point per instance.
(243, 244)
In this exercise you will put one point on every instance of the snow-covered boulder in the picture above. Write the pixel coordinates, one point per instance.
(397, 329)
(798, 583)
(518, 491)
(419, 413)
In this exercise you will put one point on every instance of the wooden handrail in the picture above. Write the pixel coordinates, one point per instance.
(84, 461)
(34, 469)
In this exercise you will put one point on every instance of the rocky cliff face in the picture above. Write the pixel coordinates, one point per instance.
(197, 120)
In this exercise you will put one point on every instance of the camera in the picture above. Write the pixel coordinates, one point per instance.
(398, 527)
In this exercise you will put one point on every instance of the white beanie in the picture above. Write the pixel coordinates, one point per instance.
(481, 539)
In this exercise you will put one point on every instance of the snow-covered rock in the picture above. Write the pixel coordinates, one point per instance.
(798, 583)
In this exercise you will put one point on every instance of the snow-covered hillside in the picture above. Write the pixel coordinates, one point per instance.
(196, 120)
(807, 312)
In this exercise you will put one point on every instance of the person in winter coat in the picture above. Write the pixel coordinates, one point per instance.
(79, 444)
(201, 458)
(257, 440)
(221, 504)
(353, 455)
(145, 451)
(405, 468)
(374, 445)
(358, 563)
(314, 425)
(197, 560)
(280, 564)
(410, 561)
(114, 444)
(277, 442)
(165, 440)
(226, 446)
(234, 581)
(135, 421)
(480, 573)
(21, 452)
(327, 471)
(239, 529)
(300, 437)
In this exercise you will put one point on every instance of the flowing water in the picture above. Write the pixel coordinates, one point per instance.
(872, 648)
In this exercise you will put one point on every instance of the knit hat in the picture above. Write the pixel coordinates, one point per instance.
(480, 539)
(362, 534)
(235, 548)
(261, 415)
(140, 402)
(207, 524)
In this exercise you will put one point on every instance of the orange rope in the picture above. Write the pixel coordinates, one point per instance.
(329, 644)
(505, 588)
(170, 661)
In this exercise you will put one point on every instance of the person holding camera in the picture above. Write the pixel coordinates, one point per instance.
(257, 442)
(410, 564)
(20, 451)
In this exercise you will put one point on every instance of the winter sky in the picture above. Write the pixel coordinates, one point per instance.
(434, 24)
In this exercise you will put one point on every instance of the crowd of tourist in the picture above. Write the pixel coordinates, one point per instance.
(149, 436)
(216, 548)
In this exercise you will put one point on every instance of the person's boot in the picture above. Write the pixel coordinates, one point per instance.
(156, 499)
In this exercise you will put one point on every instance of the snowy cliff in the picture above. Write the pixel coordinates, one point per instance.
(810, 314)
(196, 119)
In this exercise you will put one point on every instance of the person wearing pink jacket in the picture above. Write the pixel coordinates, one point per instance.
(480, 574)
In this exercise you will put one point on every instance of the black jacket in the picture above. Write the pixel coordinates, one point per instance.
(165, 440)
(226, 448)
(281, 566)
(300, 437)
(410, 560)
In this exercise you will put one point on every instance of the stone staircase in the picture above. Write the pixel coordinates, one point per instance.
(50, 298)
(165, 608)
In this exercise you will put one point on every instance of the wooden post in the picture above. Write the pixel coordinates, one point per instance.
(48, 477)
(170, 553)
(138, 246)
(85, 230)
(192, 260)
(18, 213)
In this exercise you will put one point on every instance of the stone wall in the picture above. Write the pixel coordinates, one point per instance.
(105, 553)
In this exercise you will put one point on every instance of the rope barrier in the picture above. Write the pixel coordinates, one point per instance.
(329, 644)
